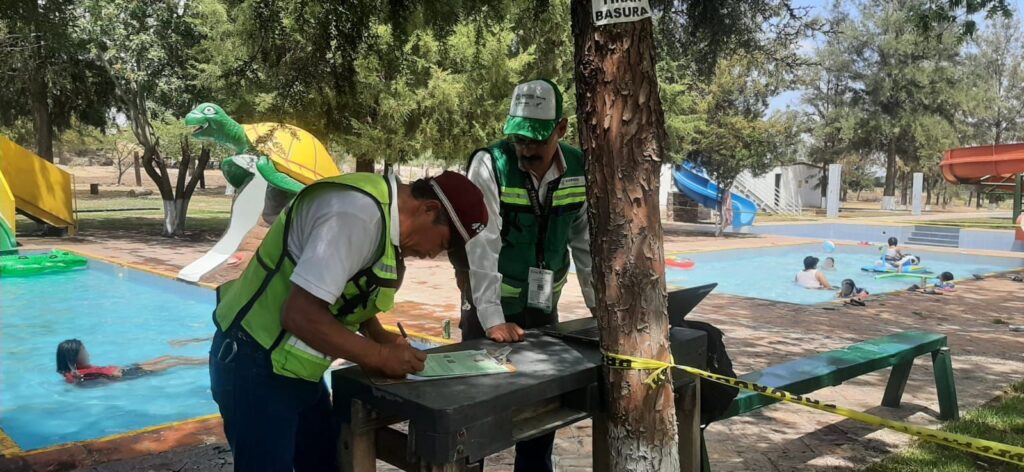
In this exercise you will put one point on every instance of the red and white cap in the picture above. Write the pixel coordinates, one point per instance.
(464, 203)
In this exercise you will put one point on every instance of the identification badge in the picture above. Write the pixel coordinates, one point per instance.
(539, 295)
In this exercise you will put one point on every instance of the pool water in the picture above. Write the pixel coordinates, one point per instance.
(768, 273)
(123, 316)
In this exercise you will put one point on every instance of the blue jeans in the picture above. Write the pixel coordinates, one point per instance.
(272, 422)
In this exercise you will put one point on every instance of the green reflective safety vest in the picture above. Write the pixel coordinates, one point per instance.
(253, 302)
(522, 244)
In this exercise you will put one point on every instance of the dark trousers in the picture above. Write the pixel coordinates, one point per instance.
(532, 455)
(272, 422)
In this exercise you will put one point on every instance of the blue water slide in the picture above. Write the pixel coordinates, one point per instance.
(692, 181)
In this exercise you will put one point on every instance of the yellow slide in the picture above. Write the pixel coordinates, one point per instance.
(39, 188)
(7, 242)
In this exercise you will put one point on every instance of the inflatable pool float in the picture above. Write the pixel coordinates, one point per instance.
(54, 261)
(890, 269)
(685, 264)
(919, 275)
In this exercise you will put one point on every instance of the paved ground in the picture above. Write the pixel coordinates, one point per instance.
(759, 333)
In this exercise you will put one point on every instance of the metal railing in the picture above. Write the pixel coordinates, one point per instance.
(767, 196)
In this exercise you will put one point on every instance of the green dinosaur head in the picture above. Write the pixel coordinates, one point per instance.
(212, 124)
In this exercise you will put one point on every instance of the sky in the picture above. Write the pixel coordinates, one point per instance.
(791, 98)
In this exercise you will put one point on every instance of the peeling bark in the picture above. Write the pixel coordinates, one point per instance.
(621, 127)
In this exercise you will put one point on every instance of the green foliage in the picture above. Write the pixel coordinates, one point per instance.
(993, 98)
(936, 17)
(725, 131)
(146, 48)
(41, 44)
(881, 86)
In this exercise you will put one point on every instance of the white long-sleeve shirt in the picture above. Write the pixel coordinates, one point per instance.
(483, 249)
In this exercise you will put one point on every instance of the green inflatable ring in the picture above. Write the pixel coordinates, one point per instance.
(27, 265)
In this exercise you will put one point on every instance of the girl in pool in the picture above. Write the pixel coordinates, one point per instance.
(73, 364)
(811, 277)
(851, 291)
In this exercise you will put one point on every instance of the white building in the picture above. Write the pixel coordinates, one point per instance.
(783, 190)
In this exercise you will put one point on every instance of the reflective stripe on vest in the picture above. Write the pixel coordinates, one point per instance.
(254, 301)
(520, 230)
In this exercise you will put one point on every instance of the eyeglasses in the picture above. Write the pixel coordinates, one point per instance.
(522, 141)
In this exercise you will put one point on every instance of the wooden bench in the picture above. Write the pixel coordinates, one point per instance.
(828, 369)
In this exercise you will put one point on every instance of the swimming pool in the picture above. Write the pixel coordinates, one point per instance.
(768, 272)
(123, 316)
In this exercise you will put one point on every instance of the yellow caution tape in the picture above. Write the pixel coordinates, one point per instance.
(1004, 452)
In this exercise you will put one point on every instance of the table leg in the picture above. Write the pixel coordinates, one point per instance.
(357, 450)
(599, 449)
(942, 363)
(687, 399)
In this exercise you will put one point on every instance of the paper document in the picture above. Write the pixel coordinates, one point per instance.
(446, 365)
(460, 364)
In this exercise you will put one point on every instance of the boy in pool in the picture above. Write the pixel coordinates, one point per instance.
(850, 290)
(829, 264)
(895, 257)
(73, 364)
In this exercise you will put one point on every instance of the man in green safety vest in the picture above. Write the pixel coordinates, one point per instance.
(534, 187)
(330, 262)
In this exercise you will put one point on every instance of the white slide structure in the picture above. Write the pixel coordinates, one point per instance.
(246, 210)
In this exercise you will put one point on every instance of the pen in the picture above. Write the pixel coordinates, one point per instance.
(402, 330)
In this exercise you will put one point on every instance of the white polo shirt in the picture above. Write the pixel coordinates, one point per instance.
(335, 233)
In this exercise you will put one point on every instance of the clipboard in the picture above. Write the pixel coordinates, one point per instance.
(455, 364)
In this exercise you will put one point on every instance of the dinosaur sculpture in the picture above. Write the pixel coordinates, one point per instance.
(287, 158)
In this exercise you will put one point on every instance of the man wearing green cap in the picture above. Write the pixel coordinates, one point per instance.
(534, 187)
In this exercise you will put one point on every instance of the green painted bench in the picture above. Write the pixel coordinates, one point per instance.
(828, 369)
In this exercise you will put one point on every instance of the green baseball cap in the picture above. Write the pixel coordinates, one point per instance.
(535, 111)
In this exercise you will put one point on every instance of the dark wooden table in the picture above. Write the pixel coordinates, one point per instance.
(455, 423)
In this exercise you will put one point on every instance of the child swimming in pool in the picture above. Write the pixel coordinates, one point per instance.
(73, 364)
(851, 291)
(945, 282)
(829, 264)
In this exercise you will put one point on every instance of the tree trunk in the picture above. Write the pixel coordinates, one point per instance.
(823, 182)
(175, 199)
(621, 125)
(364, 164)
(39, 90)
(890, 171)
(138, 170)
(41, 123)
(904, 187)
(928, 191)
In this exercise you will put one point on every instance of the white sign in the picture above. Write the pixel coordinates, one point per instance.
(607, 12)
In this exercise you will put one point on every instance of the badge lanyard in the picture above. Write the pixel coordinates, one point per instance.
(541, 213)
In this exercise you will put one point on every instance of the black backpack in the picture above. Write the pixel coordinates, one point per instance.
(715, 397)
